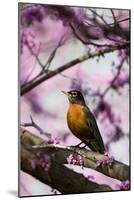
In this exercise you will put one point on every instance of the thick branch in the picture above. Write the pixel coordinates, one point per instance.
(32, 84)
(58, 176)
(117, 170)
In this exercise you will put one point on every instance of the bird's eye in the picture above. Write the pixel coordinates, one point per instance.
(73, 93)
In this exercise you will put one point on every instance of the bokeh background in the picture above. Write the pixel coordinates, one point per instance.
(104, 80)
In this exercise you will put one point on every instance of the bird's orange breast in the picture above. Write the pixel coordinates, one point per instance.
(77, 121)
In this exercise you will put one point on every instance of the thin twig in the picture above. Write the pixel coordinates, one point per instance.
(107, 28)
(52, 55)
(102, 96)
(71, 78)
(32, 70)
(45, 67)
(120, 21)
(102, 19)
(114, 78)
(33, 124)
(114, 18)
(35, 55)
(89, 40)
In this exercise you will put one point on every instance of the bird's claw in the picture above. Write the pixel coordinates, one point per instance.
(78, 145)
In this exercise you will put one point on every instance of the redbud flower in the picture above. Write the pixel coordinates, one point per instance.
(75, 159)
(124, 185)
(52, 141)
(44, 162)
(107, 162)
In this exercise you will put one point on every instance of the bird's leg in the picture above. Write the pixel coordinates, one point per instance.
(78, 145)
(83, 147)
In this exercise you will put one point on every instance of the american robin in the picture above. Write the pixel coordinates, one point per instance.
(82, 122)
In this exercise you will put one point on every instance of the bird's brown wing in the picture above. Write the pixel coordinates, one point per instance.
(97, 144)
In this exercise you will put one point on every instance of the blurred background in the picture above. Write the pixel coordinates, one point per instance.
(64, 34)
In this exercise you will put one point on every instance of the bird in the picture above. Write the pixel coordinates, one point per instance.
(82, 122)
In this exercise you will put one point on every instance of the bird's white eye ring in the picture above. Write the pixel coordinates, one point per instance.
(73, 93)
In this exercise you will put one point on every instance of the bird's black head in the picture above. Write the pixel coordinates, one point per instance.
(75, 96)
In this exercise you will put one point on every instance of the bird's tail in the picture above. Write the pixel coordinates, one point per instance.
(94, 146)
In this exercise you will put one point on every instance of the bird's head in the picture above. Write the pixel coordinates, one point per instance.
(74, 97)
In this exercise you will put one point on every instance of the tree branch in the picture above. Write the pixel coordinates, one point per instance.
(114, 18)
(33, 144)
(118, 170)
(58, 176)
(99, 16)
(32, 84)
(112, 82)
(52, 55)
(33, 124)
(85, 41)
(34, 54)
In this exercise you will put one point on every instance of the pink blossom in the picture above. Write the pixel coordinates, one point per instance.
(52, 141)
(124, 185)
(44, 162)
(75, 159)
(107, 162)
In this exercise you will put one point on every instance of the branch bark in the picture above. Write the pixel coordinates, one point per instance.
(32, 84)
(118, 170)
(58, 176)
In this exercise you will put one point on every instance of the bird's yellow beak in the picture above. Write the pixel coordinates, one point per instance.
(66, 93)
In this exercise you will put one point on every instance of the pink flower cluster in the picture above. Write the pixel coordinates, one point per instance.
(75, 160)
(124, 185)
(52, 141)
(44, 162)
(108, 161)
